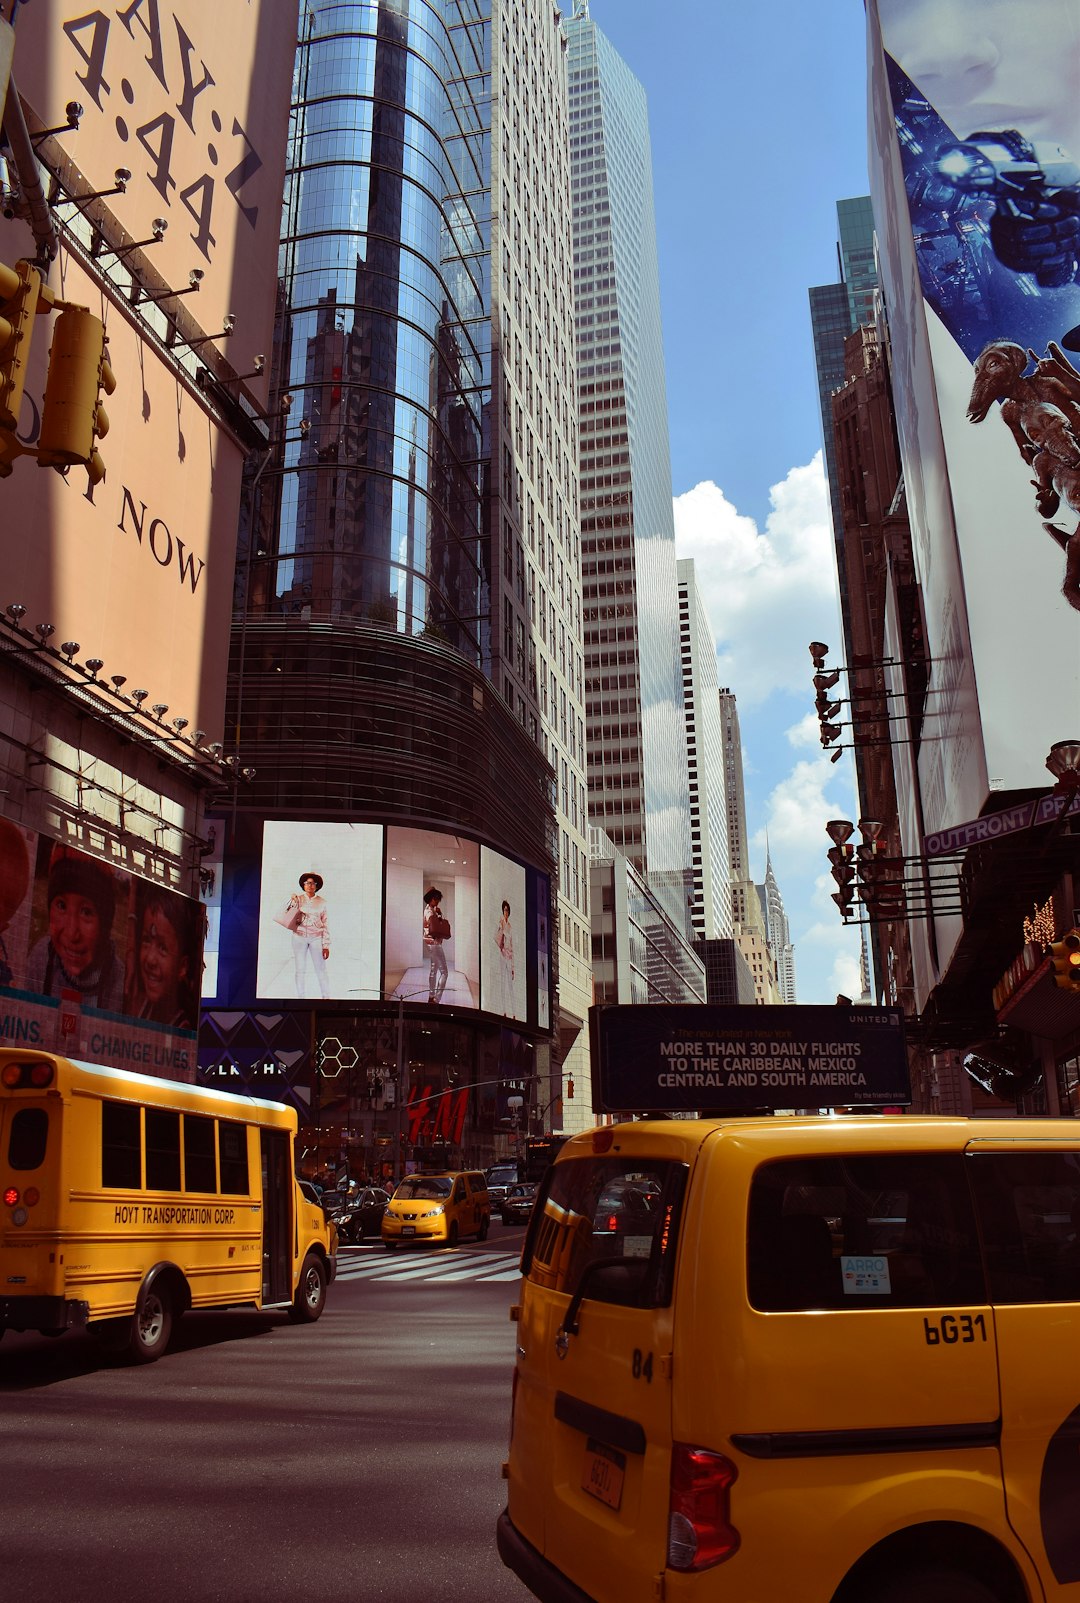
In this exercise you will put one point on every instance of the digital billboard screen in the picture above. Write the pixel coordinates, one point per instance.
(302, 911)
(689, 1058)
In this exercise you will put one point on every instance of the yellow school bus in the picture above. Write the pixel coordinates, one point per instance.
(127, 1200)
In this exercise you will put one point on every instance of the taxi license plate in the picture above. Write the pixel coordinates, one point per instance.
(408, 1230)
(602, 1474)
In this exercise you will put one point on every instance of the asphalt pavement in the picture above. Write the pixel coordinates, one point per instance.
(356, 1460)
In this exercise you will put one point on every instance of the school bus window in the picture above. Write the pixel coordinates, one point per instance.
(29, 1134)
(121, 1146)
(162, 1150)
(200, 1173)
(234, 1162)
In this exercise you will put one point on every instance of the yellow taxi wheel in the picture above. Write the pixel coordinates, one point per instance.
(936, 1584)
(452, 1235)
(481, 1234)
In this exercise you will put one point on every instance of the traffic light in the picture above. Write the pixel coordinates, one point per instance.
(1065, 960)
(72, 417)
(22, 294)
(570, 1089)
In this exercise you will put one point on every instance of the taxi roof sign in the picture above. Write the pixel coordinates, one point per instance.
(695, 1058)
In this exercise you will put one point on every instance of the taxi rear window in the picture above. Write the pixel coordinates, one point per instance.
(890, 1230)
(620, 1215)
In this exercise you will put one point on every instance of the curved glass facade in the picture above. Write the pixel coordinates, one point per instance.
(371, 508)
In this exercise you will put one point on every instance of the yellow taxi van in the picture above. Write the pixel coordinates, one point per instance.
(829, 1359)
(437, 1208)
(126, 1200)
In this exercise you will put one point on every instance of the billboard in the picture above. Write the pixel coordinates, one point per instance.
(302, 911)
(193, 101)
(321, 911)
(98, 963)
(975, 139)
(688, 1058)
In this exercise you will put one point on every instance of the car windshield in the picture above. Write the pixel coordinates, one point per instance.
(423, 1188)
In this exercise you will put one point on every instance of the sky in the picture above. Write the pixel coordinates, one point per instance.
(758, 123)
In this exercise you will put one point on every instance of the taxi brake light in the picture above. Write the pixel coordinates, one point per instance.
(700, 1532)
(11, 1196)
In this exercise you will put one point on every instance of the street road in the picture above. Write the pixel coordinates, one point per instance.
(356, 1460)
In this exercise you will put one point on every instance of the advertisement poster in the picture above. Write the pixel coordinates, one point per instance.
(320, 911)
(432, 882)
(503, 946)
(95, 962)
(699, 1059)
(975, 167)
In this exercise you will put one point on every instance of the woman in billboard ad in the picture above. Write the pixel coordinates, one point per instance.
(503, 969)
(432, 932)
(320, 924)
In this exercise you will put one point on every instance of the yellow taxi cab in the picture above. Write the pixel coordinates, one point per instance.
(437, 1207)
(830, 1359)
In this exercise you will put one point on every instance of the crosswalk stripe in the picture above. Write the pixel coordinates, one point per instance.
(477, 1266)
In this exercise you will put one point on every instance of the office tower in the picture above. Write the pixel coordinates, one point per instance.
(777, 931)
(836, 310)
(705, 764)
(633, 694)
(639, 953)
(406, 674)
(750, 933)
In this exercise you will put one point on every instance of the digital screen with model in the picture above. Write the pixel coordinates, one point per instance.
(320, 911)
(360, 912)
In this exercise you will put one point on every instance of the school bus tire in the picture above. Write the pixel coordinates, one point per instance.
(151, 1325)
(310, 1298)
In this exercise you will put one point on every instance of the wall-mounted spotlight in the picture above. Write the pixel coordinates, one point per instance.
(305, 427)
(257, 365)
(195, 278)
(43, 631)
(70, 648)
(818, 652)
(119, 680)
(95, 664)
(1063, 762)
(216, 749)
(160, 708)
(247, 773)
(121, 179)
(179, 724)
(139, 696)
(198, 736)
(74, 114)
(159, 225)
(15, 611)
(228, 324)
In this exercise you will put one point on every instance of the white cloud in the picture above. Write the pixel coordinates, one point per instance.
(768, 593)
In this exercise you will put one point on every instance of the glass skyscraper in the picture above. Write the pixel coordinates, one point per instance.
(638, 792)
(406, 650)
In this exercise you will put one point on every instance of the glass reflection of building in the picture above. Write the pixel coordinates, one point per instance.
(638, 789)
(372, 677)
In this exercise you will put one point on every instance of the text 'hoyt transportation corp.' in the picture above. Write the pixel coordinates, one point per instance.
(700, 1059)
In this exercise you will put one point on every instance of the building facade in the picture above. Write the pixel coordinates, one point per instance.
(705, 765)
(634, 702)
(406, 675)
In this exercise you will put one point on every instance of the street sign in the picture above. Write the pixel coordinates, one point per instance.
(657, 1058)
(958, 837)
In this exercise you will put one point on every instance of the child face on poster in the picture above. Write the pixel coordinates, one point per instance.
(163, 961)
(75, 929)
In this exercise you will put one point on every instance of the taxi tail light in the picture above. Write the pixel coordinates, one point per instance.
(700, 1532)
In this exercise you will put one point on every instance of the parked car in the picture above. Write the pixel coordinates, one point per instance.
(362, 1215)
(517, 1205)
